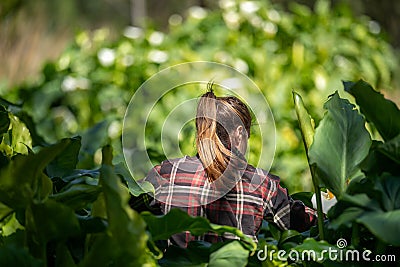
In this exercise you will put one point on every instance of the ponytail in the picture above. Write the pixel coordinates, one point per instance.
(212, 152)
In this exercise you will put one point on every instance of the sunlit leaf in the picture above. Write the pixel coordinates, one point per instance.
(23, 178)
(232, 254)
(383, 113)
(341, 142)
(177, 221)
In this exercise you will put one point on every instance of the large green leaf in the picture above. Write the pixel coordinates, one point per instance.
(232, 254)
(306, 123)
(66, 161)
(384, 225)
(177, 221)
(13, 252)
(383, 113)
(51, 220)
(125, 242)
(23, 178)
(389, 187)
(346, 218)
(380, 159)
(341, 142)
(135, 188)
(78, 196)
(16, 109)
(18, 256)
(391, 149)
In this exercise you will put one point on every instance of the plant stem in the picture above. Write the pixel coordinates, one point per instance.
(355, 235)
(307, 132)
(320, 213)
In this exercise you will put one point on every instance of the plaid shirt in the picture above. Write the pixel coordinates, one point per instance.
(182, 183)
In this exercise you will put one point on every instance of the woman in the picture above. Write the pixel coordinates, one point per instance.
(219, 184)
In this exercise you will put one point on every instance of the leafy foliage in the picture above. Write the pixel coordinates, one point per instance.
(65, 201)
(367, 198)
(87, 89)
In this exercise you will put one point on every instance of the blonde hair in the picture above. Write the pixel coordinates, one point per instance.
(216, 119)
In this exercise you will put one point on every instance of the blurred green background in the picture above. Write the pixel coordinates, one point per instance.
(74, 65)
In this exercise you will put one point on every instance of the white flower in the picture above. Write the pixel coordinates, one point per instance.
(71, 84)
(226, 4)
(133, 32)
(68, 84)
(241, 65)
(106, 56)
(249, 7)
(326, 202)
(114, 130)
(197, 12)
(274, 15)
(156, 38)
(270, 28)
(256, 21)
(232, 19)
(157, 56)
(175, 20)
(374, 27)
(127, 60)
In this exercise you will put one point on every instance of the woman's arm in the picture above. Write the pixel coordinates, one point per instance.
(288, 213)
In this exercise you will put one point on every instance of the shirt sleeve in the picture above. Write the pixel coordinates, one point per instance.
(289, 213)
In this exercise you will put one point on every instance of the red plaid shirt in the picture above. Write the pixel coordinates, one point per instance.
(182, 183)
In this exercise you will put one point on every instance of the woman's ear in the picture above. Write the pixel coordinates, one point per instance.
(238, 136)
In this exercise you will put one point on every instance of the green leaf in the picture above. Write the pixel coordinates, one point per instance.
(389, 186)
(305, 121)
(66, 161)
(4, 121)
(391, 149)
(51, 220)
(341, 142)
(63, 257)
(177, 221)
(125, 242)
(383, 113)
(317, 249)
(231, 254)
(19, 138)
(383, 225)
(196, 254)
(135, 188)
(12, 255)
(290, 236)
(77, 196)
(377, 162)
(16, 110)
(23, 179)
(92, 139)
(345, 218)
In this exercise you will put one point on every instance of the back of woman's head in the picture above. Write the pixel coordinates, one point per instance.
(217, 120)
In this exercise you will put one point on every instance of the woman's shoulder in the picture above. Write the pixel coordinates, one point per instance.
(186, 158)
(185, 164)
(254, 172)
